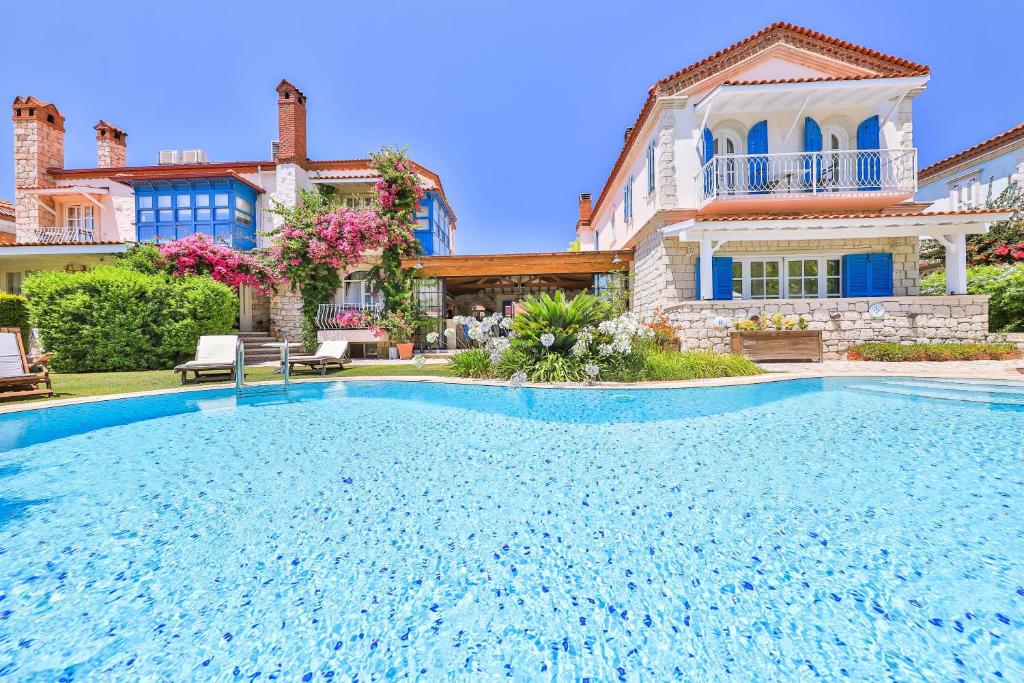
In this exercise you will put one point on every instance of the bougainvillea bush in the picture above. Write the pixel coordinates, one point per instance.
(199, 255)
(320, 239)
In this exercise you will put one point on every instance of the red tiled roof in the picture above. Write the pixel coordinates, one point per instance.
(1005, 138)
(841, 50)
(7, 238)
(6, 209)
(64, 244)
(814, 79)
(834, 216)
(175, 174)
(111, 172)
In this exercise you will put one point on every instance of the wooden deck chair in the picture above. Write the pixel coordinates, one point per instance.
(18, 376)
(332, 352)
(215, 359)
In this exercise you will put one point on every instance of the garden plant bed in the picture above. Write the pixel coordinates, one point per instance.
(778, 345)
(891, 352)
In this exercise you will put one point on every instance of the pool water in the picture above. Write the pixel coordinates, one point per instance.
(858, 528)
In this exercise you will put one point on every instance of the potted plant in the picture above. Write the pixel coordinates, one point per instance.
(776, 338)
(399, 328)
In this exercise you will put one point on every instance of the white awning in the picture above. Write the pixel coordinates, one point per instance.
(782, 96)
(836, 227)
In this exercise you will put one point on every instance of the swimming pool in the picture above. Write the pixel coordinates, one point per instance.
(377, 530)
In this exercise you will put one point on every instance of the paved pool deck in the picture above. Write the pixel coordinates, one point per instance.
(775, 372)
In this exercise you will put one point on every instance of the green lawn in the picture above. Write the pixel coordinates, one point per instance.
(102, 383)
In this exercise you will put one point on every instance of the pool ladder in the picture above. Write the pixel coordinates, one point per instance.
(241, 389)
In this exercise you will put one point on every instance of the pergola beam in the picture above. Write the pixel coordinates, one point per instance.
(505, 265)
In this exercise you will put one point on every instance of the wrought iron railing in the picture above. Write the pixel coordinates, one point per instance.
(800, 173)
(327, 314)
(60, 234)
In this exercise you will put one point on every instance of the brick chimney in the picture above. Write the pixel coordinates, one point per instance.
(111, 145)
(584, 231)
(38, 147)
(291, 124)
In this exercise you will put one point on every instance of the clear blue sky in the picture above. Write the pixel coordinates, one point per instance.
(518, 105)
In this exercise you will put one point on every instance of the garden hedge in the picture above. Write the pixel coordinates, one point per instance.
(112, 318)
(892, 352)
(1003, 283)
(14, 313)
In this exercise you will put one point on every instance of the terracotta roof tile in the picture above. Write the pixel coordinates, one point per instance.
(814, 79)
(6, 209)
(1004, 138)
(834, 216)
(64, 244)
(801, 37)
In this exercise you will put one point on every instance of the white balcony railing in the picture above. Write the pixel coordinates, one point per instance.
(59, 234)
(890, 171)
(327, 314)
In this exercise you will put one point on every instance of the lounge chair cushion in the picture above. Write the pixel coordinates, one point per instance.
(11, 363)
(217, 349)
(335, 349)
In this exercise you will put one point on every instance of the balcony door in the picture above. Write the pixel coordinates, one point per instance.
(837, 172)
(727, 145)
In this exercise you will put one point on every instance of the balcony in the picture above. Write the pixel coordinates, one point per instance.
(802, 181)
(327, 314)
(59, 234)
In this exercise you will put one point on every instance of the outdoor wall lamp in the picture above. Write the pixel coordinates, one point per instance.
(616, 259)
(419, 263)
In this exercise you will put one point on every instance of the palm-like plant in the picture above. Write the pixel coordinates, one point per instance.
(556, 316)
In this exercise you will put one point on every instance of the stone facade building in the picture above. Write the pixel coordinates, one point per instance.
(778, 176)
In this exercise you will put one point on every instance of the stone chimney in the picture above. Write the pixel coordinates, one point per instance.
(111, 145)
(38, 147)
(291, 124)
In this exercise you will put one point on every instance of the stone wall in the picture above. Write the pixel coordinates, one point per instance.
(844, 322)
(665, 269)
(286, 315)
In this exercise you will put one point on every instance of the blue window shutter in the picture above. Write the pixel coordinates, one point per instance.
(651, 171)
(709, 145)
(881, 274)
(869, 163)
(721, 278)
(855, 275)
(757, 143)
(867, 275)
(812, 143)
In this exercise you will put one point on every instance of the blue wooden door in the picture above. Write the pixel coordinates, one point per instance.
(812, 145)
(757, 166)
(869, 163)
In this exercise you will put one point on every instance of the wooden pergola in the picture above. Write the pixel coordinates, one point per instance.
(558, 263)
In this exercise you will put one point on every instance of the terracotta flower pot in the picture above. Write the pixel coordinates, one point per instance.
(404, 350)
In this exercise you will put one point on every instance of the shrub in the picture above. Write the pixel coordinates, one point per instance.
(474, 363)
(893, 352)
(14, 313)
(554, 315)
(1004, 286)
(114, 318)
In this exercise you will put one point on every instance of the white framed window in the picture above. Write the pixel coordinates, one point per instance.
(357, 291)
(79, 215)
(965, 191)
(358, 201)
(12, 282)
(651, 171)
(787, 277)
(627, 201)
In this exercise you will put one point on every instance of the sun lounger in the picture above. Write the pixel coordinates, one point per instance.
(333, 352)
(18, 376)
(215, 359)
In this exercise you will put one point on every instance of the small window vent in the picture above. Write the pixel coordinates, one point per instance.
(275, 147)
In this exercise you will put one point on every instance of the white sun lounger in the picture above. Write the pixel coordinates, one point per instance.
(215, 359)
(332, 352)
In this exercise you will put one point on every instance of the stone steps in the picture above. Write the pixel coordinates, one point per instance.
(256, 353)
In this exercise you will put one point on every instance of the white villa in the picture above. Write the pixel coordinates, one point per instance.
(969, 179)
(779, 175)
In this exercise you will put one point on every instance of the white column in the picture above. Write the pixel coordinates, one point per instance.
(707, 285)
(956, 263)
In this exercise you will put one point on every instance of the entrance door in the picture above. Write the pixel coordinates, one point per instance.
(245, 309)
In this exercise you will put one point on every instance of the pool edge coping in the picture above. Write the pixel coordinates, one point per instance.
(768, 376)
